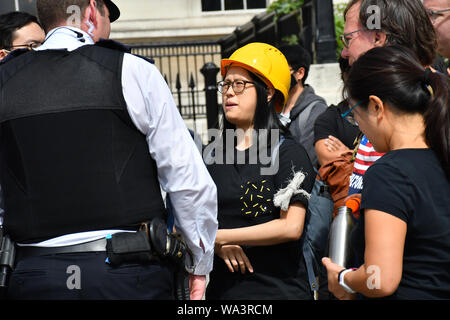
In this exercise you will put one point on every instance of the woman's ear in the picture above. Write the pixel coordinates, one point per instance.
(376, 107)
(270, 93)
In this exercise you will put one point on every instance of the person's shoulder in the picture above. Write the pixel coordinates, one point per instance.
(109, 44)
(139, 59)
(330, 114)
(288, 142)
(138, 65)
(14, 54)
(292, 147)
(341, 107)
(313, 96)
(112, 45)
(407, 160)
(394, 163)
(293, 156)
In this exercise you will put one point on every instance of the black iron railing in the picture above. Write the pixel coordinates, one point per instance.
(180, 64)
(190, 70)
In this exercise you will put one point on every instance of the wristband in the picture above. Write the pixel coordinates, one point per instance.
(342, 282)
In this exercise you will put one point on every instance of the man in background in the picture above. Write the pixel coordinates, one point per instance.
(19, 30)
(303, 105)
(439, 13)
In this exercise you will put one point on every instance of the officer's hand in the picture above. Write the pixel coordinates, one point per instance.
(197, 285)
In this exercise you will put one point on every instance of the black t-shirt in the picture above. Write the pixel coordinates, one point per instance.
(331, 123)
(245, 198)
(410, 184)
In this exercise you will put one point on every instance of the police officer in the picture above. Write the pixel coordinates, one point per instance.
(89, 134)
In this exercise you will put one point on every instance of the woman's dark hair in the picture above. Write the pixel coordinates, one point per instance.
(10, 23)
(395, 75)
(265, 114)
(344, 66)
(405, 23)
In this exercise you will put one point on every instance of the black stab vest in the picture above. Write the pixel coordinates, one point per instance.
(71, 158)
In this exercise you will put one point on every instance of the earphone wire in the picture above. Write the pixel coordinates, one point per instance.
(80, 36)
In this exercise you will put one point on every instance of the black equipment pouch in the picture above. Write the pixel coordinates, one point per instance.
(128, 247)
(170, 245)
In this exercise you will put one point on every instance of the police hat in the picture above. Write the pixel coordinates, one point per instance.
(114, 12)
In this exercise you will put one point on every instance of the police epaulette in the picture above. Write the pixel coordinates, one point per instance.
(111, 44)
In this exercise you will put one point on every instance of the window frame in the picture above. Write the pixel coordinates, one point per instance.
(222, 8)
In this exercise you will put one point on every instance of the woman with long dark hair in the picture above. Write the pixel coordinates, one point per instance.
(261, 214)
(402, 238)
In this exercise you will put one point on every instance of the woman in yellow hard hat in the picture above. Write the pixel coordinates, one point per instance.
(261, 213)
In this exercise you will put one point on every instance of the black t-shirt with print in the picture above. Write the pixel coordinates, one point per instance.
(411, 185)
(245, 198)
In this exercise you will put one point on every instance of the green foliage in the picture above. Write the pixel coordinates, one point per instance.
(282, 7)
(339, 25)
(291, 39)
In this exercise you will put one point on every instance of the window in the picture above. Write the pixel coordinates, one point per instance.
(234, 4)
(211, 5)
(256, 4)
(28, 6)
(223, 5)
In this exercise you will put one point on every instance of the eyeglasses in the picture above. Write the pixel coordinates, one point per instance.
(29, 46)
(238, 86)
(434, 14)
(344, 37)
(349, 116)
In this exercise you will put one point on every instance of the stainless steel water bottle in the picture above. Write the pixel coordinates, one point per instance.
(339, 249)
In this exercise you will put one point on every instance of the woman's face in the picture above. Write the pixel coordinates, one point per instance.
(239, 108)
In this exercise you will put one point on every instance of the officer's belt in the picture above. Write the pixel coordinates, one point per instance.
(31, 251)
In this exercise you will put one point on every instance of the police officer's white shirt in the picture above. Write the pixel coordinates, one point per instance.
(181, 171)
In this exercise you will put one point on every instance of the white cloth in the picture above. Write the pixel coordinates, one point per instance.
(285, 119)
(181, 170)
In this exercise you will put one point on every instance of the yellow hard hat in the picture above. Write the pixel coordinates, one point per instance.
(267, 62)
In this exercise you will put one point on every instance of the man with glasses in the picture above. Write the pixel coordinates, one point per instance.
(19, 30)
(439, 13)
(403, 22)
